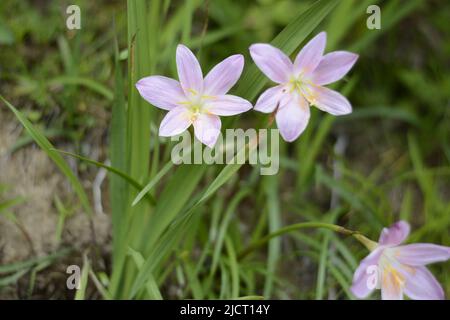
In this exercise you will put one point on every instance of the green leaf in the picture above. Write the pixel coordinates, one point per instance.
(117, 187)
(115, 171)
(152, 287)
(271, 192)
(6, 35)
(48, 148)
(84, 82)
(81, 292)
(153, 182)
(171, 201)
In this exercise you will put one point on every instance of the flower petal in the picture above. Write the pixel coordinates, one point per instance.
(309, 57)
(227, 105)
(422, 285)
(333, 66)
(328, 100)
(175, 122)
(224, 75)
(420, 254)
(395, 234)
(207, 129)
(391, 286)
(189, 71)
(362, 284)
(272, 62)
(162, 92)
(270, 99)
(292, 118)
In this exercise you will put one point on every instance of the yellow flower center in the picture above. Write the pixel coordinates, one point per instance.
(303, 87)
(392, 272)
(195, 111)
(196, 104)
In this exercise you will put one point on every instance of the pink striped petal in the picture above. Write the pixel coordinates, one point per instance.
(272, 62)
(175, 122)
(207, 129)
(309, 57)
(391, 288)
(328, 100)
(333, 67)
(162, 92)
(420, 254)
(422, 285)
(270, 99)
(395, 234)
(292, 118)
(189, 71)
(362, 285)
(224, 75)
(227, 105)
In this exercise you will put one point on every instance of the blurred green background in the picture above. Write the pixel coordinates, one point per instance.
(388, 160)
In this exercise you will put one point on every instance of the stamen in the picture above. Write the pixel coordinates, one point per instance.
(208, 97)
(195, 109)
(194, 92)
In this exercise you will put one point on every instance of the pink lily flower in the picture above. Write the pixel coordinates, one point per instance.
(400, 269)
(194, 100)
(301, 84)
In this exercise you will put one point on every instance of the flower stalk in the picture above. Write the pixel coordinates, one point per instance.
(369, 244)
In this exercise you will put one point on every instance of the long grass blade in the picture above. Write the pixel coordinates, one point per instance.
(48, 148)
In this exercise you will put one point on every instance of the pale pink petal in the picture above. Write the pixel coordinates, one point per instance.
(175, 122)
(270, 99)
(395, 234)
(162, 92)
(309, 57)
(333, 66)
(189, 71)
(421, 254)
(391, 287)
(422, 285)
(272, 62)
(207, 129)
(227, 105)
(224, 75)
(292, 118)
(362, 284)
(328, 100)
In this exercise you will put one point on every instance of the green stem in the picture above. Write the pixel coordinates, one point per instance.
(369, 244)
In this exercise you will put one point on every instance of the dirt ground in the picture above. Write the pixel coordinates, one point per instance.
(29, 174)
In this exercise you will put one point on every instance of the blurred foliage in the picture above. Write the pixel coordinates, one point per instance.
(52, 58)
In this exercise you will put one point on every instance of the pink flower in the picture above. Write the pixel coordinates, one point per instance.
(300, 84)
(195, 100)
(400, 269)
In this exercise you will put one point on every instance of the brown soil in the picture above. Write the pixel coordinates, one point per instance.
(29, 174)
